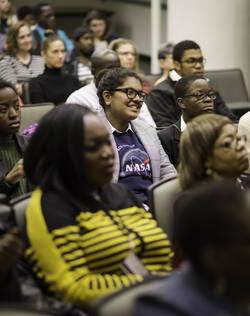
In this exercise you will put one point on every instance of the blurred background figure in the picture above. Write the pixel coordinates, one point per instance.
(7, 19)
(98, 22)
(210, 149)
(129, 58)
(165, 58)
(18, 65)
(213, 229)
(44, 16)
(244, 131)
(53, 85)
(79, 61)
(25, 14)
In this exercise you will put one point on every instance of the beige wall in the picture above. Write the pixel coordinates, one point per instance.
(221, 27)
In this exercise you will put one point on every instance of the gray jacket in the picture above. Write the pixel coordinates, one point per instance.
(160, 164)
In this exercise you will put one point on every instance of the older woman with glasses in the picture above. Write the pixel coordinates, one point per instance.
(140, 158)
(210, 149)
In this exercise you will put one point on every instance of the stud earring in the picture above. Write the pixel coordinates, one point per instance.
(208, 172)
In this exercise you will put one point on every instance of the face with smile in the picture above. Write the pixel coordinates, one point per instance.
(10, 114)
(192, 63)
(98, 154)
(24, 39)
(120, 109)
(192, 105)
(127, 55)
(229, 156)
(55, 54)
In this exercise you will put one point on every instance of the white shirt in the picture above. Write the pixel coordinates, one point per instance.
(87, 96)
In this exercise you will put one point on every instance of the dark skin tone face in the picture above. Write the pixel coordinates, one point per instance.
(10, 114)
(191, 106)
(184, 68)
(47, 17)
(98, 153)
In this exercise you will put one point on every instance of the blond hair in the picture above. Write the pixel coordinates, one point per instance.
(115, 44)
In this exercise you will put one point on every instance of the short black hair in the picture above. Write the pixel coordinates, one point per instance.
(23, 11)
(181, 47)
(211, 214)
(54, 157)
(81, 30)
(37, 9)
(165, 49)
(184, 83)
(110, 79)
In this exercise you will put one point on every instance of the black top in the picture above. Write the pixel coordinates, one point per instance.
(170, 140)
(52, 86)
(164, 108)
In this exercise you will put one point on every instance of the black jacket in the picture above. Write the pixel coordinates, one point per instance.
(170, 140)
(164, 108)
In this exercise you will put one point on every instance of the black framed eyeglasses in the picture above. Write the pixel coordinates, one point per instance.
(131, 93)
(194, 61)
(202, 96)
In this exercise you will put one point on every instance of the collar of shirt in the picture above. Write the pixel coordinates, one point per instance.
(183, 124)
(174, 75)
(119, 132)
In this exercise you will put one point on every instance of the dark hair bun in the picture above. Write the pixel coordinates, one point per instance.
(49, 32)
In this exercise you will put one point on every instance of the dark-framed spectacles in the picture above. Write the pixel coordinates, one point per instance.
(202, 96)
(234, 142)
(194, 61)
(131, 93)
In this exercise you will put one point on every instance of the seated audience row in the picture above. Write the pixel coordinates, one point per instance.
(161, 101)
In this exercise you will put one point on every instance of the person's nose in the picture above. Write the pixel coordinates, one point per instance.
(107, 151)
(13, 112)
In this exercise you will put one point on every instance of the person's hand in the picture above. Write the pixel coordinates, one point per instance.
(16, 173)
(11, 248)
(19, 88)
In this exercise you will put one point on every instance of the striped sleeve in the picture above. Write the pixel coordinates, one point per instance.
(7, 71)
(58, 257)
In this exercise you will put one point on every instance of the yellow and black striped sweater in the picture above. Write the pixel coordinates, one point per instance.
(78, 253)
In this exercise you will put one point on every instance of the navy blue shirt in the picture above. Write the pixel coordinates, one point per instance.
(135, 166)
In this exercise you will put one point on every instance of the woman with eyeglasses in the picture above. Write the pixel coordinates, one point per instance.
(129, 58)
(140, 158)
(210, 149)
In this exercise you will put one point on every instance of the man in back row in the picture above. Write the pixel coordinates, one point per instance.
(161, 101)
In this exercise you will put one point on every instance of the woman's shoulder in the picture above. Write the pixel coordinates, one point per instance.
(7, 59)
(37, 58)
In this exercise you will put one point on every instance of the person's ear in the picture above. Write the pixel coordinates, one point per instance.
(177, 66)
(43, 53)
(181, 103)
(107, 97)
(161, 62)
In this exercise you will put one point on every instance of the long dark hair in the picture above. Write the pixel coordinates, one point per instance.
(54, 157)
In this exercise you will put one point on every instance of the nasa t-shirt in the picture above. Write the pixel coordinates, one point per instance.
(135, 166)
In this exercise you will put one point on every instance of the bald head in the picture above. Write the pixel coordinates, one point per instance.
(102, 59)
